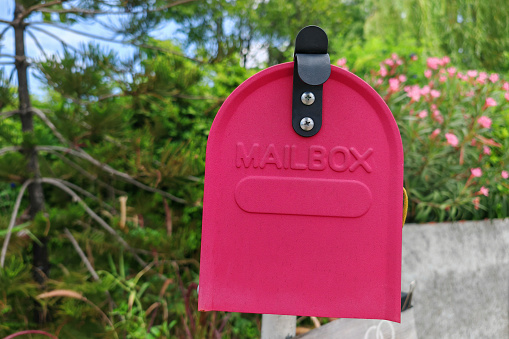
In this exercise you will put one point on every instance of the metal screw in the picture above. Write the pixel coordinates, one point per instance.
(307, 98)
(307, 124)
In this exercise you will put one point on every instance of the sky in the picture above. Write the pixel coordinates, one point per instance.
(53, 47)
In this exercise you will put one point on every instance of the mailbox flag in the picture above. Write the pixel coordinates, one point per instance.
(296, 225)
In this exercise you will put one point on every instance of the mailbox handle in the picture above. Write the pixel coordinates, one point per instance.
(311, 69)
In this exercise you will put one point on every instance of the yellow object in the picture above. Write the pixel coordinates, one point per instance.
(405, 205)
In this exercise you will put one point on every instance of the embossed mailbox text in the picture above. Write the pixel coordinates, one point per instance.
(315, 157)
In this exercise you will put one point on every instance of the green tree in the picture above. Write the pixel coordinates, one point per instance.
(222, 28)
(473, 33)
(111, 129)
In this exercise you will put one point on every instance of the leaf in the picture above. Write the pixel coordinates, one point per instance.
(61, 293)
(16, 228)
(487, 141)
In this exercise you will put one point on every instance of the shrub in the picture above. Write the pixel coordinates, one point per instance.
(454, 127)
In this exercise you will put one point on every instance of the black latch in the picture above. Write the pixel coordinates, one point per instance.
(311, 69)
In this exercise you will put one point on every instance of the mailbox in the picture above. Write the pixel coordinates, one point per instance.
(302, 210)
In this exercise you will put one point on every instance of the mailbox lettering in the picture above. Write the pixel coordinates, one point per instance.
(315, 158)
(247, 159)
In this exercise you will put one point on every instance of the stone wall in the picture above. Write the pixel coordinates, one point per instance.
(462, 274)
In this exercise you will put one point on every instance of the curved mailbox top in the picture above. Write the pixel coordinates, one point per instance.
(303, 225)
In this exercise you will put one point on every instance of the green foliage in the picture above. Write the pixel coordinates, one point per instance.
(82, 75)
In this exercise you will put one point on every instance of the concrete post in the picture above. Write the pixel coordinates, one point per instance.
(278, 326)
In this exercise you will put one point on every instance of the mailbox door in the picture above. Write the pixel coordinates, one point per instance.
(303, 226)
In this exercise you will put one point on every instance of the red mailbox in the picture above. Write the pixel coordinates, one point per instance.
(303, 224)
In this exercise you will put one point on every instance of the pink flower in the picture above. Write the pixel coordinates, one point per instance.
(442, 78)
(451, 139)
(494, 77)
(425, 90)
(433, 63)
(451, 71)
(427, 73)
(379, 81)
(472, 73)
(484, 191)
(438, 117)
(476, 172)
(506, 96)
(341, 62)
(470, 93)
(505, 175)
(389, 62)
(476, 201)
(414, 57)
(434, 93)
(482, 76)
(490, 102)
(413, 92)
(484, 121)
(383, 71)
(435, 133)
(505, 87)
(446, 60)
(394, 56)
(402, 78)
(393, 84)
(486, 150)
(422, 114)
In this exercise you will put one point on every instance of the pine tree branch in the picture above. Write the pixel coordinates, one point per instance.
(10, 149)
(82, 255)
(122, 42)
(48, 123)
(40, 7)
(39, 46)
(12, 74)
(6, 22)
(194, 97)
(82, 154)
(6, 63)
(75, 10)
(124, 176)
(93, 36)
(13, 220)
(3, 32)
(89, 175)
(88, 194)
(7, 56)
(5, 115)
(94, 216)
(56, 38)
(87, 263)
(109, 96)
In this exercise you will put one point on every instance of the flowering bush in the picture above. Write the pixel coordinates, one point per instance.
(454, 126)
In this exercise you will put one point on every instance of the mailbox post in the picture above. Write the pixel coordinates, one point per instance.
(303, 195)
(278, 326)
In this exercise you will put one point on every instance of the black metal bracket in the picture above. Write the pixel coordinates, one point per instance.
(311, 69)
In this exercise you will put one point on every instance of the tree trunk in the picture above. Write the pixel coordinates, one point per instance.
(36, 197)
